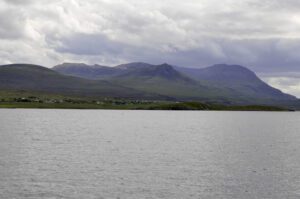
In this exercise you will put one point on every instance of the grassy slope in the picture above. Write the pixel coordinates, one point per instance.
(184, 91)
(227, 84)
(35, 78)
(247, 86)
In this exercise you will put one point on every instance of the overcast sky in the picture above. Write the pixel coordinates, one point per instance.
(263, 35)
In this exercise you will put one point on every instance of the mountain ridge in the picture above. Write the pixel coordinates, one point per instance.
(224, 84)
(234, 77)
(37, 78)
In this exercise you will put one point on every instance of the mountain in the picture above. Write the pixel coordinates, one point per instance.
(236, 78)
(160, 79)
(97, 72)
(222, 84)
(220, 72)
(165, 80)
(147, 72)
(37, 78)
(87, 71)
(229, 84)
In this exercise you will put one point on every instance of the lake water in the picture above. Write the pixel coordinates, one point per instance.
(149, 154)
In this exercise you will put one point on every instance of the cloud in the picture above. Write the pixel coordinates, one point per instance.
(12, 23)
(19, 2)
(262, 35)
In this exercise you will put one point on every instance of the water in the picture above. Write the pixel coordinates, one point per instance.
(149, 154)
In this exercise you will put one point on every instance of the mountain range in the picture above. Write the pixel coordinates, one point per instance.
(223, 84)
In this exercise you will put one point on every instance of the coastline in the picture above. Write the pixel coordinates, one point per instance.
(167, 106)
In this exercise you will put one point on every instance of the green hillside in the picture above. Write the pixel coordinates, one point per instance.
(40, 79)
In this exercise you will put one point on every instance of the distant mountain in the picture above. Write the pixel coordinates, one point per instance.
(223, 84)
(136, 69)
(97, 72)
(87, 71)
(165, 80)
(147, 72)
(236, 78)
(37, 78)
(218, 83)
(101, 72)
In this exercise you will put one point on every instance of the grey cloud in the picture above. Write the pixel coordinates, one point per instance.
(263, 35)
(19, 2)
(83, 44)
(276, 5)
(12, 24)
(270, 55)
(28, 2)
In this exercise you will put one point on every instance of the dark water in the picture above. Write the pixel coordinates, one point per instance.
(149, 154)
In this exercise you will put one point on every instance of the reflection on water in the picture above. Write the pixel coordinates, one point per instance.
(149, 154)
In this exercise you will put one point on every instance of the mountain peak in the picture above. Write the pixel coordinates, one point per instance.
(227, 67)
(166, 70)
(232, 73)
(165, 65)
(163, 71)
(85, 71)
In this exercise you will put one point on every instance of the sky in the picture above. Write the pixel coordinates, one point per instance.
(263, 35)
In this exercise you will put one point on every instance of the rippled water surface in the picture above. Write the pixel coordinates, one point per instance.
(149, 154)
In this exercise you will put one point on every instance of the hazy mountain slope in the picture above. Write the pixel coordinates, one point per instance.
(165, 80)
(237, 78)
(163, 71)
(219, 83)
(37, 78)
(159, 79)
(87, 71)
(97, 71)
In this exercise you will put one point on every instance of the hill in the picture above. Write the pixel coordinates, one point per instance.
(226, 84)
(218, 84)
(239, 79)
(97, 72)
(37, 78)
(165, 80)
(87, 71)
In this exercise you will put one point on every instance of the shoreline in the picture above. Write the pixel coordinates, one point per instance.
(182, 106)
